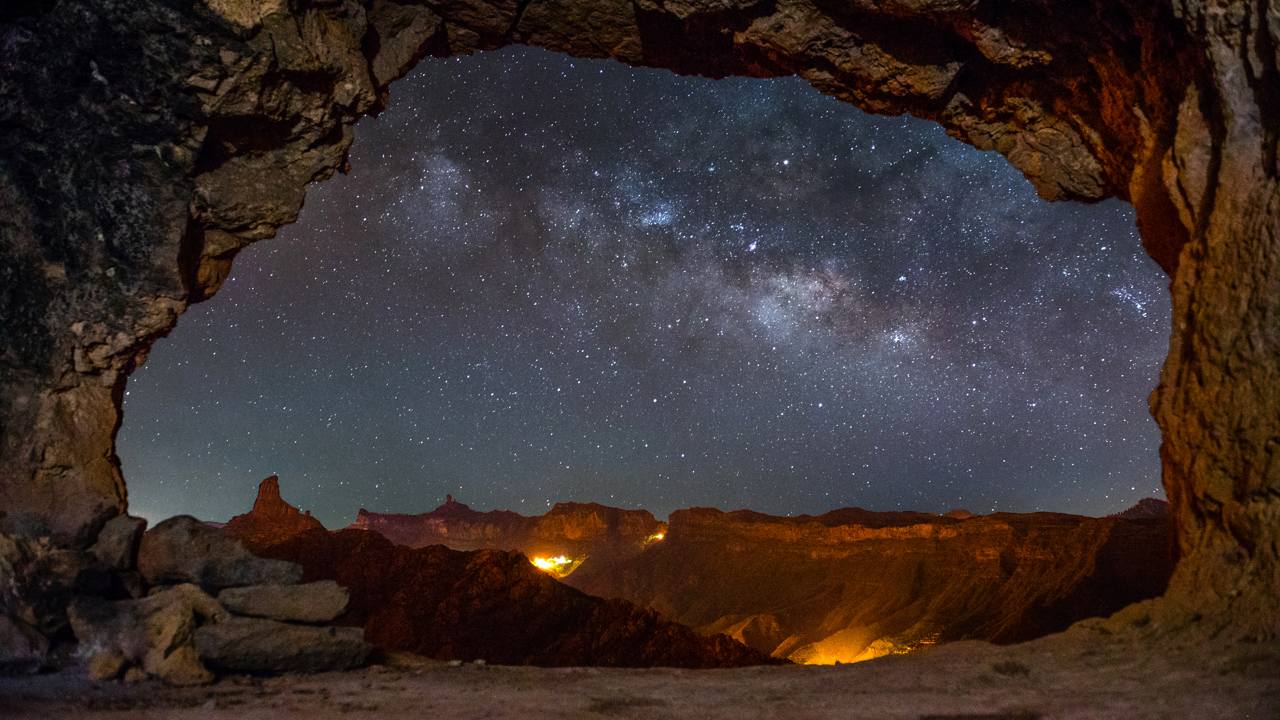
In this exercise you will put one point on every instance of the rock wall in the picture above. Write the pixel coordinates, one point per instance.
(578, 530)
(839, 587)
(144, 142)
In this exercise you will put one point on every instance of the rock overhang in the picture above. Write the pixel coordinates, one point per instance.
(147, 142)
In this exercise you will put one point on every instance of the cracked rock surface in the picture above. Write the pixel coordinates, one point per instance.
(144, 142)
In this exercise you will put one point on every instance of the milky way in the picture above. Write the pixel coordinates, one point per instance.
(550, 279)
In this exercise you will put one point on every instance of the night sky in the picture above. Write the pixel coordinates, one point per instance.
(550, 279)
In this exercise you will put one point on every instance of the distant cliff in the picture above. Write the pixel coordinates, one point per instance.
(849, 584)
(853, 585)
(271, 519)
(573, 530)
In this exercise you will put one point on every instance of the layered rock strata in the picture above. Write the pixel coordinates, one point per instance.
(852, 585)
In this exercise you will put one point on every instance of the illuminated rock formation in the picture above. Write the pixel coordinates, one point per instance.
(145, 142)
(847, 585)
(493, 605)
(271, 519)
(852, 585)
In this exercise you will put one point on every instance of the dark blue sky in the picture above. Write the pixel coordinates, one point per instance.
(552, 279)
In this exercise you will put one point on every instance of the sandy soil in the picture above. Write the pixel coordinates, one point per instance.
(1061, 677)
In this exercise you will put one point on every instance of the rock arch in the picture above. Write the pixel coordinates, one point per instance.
(144, 142)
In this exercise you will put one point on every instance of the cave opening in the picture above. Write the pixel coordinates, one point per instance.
(553, 279)
(148, 143)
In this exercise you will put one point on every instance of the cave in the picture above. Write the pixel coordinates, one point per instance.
(145, 144)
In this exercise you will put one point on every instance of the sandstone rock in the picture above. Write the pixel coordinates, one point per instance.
(185, 550)
(107, 665)
(1167, 105)
(315, 602)
(266, 646)
(37, 580)
(22, 649)
(154, 633)
(117, 545)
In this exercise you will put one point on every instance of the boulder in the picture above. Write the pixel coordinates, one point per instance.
(315, 602)
(38, 580)
(154, 633)
(184, 550)
(117, 545)
(22, 649)
(266, 646)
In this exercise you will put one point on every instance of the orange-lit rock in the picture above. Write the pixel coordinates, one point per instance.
(271, 519)
(852, 585)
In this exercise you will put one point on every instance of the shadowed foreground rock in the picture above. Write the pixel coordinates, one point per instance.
(154, 634)
(315, 602)
(185, 550)
(493, 606)
(254, 645)
(1075, 676)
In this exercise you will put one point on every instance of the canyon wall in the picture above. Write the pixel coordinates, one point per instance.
(144, 142)
(575, 530)
(847, 585)
(838, 588)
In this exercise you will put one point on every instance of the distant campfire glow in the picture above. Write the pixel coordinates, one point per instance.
(656, 537)
(558, 565)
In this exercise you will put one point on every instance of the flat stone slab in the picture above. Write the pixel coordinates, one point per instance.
(316, 602)
(253, 645)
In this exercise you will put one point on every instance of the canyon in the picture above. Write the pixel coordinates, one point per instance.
(844, 586)
(473, 604)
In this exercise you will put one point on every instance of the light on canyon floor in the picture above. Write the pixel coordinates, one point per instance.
(558, 565)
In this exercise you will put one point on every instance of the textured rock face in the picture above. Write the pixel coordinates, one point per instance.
(144, 142)
(185, 550)
(117, 545)
(154, 634)
(265, 646)
(577, 530)
(22, 649)
(494, 606)
(315, 602)
(852, 585)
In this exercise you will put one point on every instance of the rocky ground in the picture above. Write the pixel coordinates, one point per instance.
(1075, 675)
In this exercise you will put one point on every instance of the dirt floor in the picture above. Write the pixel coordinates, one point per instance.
(1067, 676)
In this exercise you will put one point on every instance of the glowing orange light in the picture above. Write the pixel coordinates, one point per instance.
(559, 565)
(656, 537)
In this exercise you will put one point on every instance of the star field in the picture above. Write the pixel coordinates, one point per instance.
(551, 279)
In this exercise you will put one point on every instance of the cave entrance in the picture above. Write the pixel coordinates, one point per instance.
(627, 286)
